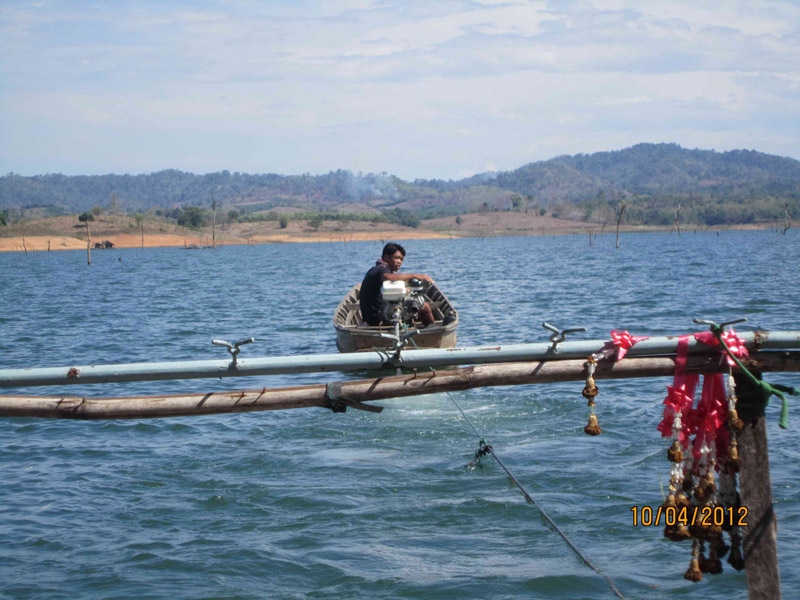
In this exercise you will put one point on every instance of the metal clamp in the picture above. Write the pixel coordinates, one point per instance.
(721, 326)
(400, 342)
(560, 335)
(235, 348)
(338, 404)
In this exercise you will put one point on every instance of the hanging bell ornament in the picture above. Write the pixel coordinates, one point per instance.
(694, 573)
(713, 563)
(735, 558)
(709, 483)
(677, 532)
(675, 452)
(720, 547)
(593, 427)
(735, 424)
(590, 392)
(733, 453)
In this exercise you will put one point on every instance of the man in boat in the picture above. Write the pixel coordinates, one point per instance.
(386, 269)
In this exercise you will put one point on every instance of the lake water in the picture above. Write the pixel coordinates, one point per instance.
(311, 504)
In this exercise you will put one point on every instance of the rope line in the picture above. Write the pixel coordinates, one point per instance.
(533, 502)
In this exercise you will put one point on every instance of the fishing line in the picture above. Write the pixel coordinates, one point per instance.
(486, 448)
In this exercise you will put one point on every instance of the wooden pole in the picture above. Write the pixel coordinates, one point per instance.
(760, 537)
(367, 390)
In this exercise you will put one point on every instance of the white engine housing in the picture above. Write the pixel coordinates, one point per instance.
(393, 291)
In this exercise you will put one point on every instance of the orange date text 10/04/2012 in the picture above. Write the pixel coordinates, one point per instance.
(705, 516)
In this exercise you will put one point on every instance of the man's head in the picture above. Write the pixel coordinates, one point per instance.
(393, 255)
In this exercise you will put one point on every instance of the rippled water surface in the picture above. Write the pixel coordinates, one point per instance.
(311, 504)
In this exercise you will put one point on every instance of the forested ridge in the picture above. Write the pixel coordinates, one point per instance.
(656, 182)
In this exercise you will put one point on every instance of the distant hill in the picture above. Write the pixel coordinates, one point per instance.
(654, 180)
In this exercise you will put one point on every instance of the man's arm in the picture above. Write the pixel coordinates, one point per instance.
(405, 277)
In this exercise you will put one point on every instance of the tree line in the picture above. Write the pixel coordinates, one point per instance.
(656, 181)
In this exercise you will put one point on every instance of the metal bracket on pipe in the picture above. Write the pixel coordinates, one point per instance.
(560, 335)
(721, 326)
(333, 394)
(235, 348)
(400, 342)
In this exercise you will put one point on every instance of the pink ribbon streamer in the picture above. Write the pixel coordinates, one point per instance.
(624, 341)
(705, 421)
(680, 396)
(734, 343)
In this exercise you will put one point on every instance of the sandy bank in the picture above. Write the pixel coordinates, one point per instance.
(62, 233)
(43, 243)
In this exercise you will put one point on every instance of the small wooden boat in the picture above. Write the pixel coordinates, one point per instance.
(353, 335)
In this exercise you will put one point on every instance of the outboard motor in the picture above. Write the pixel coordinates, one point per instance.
(413, 300)
(402, 302)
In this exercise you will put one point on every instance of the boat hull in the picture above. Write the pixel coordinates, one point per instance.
(353, 335)
(359, 341)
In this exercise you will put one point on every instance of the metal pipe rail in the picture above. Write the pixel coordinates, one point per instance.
(373, 360)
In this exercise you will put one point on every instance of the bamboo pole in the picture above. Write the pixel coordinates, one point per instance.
(368, 390)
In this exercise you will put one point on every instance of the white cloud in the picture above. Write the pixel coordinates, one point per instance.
(425, 88)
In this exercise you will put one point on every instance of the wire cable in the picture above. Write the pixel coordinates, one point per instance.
(533, 502)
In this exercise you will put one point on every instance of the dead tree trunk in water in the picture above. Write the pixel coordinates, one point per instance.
(788, 221)
(88, 244)
(622, 206)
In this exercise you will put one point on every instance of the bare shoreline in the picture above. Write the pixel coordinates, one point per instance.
(55, 242)
(63, 234)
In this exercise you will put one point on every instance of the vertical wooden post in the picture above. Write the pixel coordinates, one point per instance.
(760, 537)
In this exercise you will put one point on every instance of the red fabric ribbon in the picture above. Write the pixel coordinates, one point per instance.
(706, 421)
(734, 343)
(710, 415)
(680, 396)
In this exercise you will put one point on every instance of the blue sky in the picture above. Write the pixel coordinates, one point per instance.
(415, 89)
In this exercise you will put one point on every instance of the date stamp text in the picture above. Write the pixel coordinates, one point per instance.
(704, 516)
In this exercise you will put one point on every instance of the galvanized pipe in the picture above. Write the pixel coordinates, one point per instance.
(373, 360)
